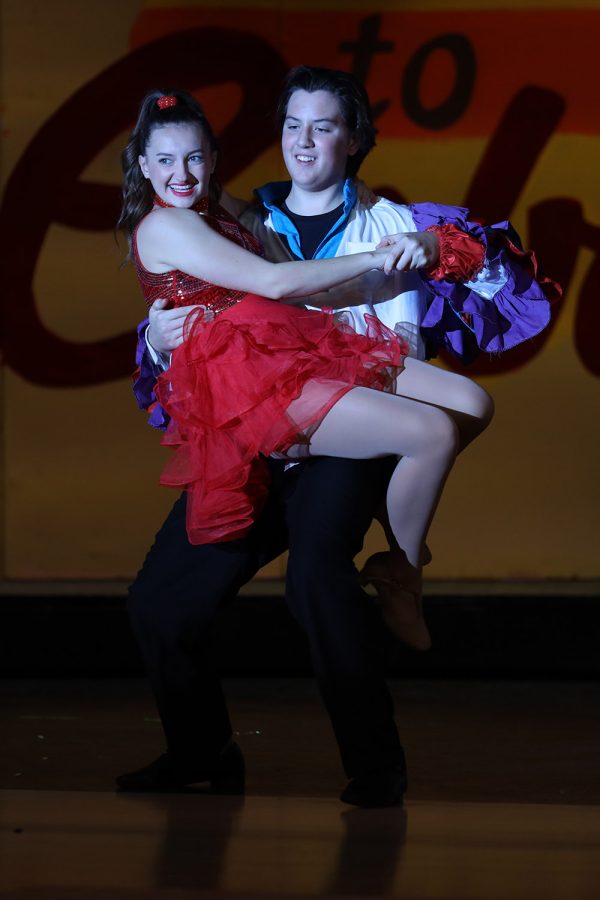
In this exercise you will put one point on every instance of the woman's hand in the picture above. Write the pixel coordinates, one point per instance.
(413, 250)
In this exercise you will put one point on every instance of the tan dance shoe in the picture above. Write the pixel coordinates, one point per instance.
(401, 607)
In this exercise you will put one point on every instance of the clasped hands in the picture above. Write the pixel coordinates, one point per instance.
(399, 252)
(413, 250)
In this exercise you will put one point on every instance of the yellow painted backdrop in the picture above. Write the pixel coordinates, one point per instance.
(80, 465)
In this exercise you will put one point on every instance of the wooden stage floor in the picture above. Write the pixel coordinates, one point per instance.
(504, 800)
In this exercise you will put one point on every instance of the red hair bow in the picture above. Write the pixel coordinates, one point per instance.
(166, 101)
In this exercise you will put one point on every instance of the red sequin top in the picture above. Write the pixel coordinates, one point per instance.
(181, 289)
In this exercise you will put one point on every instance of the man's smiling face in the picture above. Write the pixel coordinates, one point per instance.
(315, 141)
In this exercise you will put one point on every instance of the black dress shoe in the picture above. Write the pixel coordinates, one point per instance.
(376, 789)
(226, 776)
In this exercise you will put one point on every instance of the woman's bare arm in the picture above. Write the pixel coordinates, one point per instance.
(180, 239)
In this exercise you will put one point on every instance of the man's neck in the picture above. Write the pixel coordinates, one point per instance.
(314, 203)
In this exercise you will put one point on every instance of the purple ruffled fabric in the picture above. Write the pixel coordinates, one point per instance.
(144, 381)
(517, 312)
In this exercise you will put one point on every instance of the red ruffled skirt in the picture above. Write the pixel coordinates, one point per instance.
(256, 380)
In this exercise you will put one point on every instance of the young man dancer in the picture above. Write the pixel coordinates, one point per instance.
(320, 508)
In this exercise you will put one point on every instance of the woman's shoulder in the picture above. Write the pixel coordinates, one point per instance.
(160, 218)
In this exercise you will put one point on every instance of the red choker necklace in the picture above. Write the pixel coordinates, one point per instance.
(200, 206)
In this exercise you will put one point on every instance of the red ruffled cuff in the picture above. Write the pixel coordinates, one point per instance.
(461, 256)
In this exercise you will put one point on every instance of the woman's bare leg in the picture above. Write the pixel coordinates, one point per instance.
(466, 402)
(396, 576)
(365, 424)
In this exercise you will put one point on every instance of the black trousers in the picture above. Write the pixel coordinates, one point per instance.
(322, 509)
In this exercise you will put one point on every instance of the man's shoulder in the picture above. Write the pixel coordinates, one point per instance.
(384, 212)
(254, 218)
(253, 214)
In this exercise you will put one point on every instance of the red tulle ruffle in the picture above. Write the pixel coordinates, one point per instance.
(254, 381)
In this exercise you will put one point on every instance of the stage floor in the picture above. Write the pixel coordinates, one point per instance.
(98, 846)
(504, 799)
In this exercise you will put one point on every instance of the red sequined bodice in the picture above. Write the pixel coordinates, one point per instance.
(181, 289)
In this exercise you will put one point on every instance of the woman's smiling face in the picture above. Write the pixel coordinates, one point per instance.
(178, 162)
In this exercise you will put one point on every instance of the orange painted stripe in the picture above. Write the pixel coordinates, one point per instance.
(551, 48)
